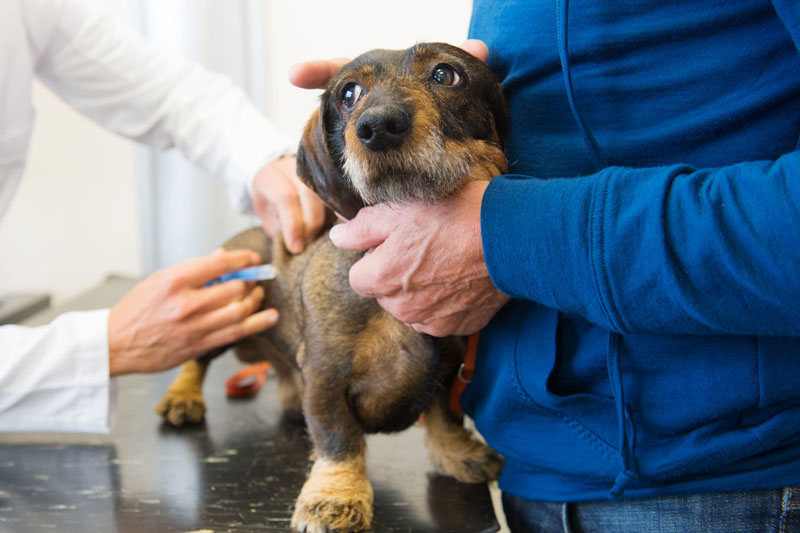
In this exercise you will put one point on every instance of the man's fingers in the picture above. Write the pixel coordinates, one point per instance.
(477, 48)
(362, 277)
(368, 229)
(314, 74)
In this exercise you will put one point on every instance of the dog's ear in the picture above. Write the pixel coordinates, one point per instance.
(499, 109)
(321, 173)
(492, 93)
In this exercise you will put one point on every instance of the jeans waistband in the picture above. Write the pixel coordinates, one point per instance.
(776, 510)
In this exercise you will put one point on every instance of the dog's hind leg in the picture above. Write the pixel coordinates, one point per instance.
(454, 451)
(183, 403)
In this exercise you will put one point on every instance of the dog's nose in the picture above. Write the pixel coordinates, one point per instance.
(383, 127)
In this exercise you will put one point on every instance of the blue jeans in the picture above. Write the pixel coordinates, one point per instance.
(732, 512)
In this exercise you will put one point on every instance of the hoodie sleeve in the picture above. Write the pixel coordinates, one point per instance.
(671, 250)
(124, 83)
(665, 250)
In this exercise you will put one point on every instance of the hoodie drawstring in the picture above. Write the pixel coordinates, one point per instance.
(626, 440)
(563, 53)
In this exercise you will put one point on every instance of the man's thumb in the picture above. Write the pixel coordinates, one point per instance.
(363, 232)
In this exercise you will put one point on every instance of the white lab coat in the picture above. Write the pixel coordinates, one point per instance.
(55, 377)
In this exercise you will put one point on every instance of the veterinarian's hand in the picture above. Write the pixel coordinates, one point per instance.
(286, 206)
(172, 316)
(425, 265)
(315, 74)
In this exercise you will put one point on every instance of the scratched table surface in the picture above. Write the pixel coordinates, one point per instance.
(238, 471)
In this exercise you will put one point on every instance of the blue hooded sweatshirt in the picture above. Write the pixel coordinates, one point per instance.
(650, 236)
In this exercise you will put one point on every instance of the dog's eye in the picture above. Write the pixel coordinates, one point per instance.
(445, 75)
(351, 94)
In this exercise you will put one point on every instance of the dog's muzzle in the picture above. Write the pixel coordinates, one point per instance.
(383, 127)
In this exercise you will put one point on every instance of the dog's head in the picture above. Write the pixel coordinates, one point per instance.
(398, 125)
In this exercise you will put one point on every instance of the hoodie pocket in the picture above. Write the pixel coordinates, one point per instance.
(778, 370)
(580, 424)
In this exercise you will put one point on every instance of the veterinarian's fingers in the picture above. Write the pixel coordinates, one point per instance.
(231, 313)
(198, 271)
(366, 230)
(477, 48)
(314, 212)
(217, 295)
(277, 201)
(290, 213)
(314, 74)
(255, 323)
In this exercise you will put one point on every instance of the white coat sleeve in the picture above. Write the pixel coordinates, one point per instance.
(55, 377)
(115, 77)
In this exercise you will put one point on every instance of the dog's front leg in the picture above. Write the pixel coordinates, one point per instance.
(337, 495)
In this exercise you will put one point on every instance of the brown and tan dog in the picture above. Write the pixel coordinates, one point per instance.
(393, 126)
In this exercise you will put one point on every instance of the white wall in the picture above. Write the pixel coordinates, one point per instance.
(303, 29)
(77, 216)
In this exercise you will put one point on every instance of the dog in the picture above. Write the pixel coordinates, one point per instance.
(392, 126)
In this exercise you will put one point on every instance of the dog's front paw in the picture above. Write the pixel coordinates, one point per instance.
(336, 497)
(182, 407)
(469, 461)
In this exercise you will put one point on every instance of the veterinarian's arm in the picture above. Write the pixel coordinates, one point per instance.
(131, 87)
(56, 377)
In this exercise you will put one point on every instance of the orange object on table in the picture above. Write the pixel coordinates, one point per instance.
(247, 381)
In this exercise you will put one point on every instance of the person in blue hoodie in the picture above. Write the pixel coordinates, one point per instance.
(637, 272)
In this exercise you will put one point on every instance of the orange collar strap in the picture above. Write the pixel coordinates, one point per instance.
(464, 376)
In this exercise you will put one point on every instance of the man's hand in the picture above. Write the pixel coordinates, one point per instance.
(425, 265)
(315, 74)
(172, 316)
(286, 206)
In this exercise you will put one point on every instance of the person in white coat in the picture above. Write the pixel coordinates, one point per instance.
(58, 377)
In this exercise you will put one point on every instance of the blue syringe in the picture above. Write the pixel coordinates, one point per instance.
(254, 273)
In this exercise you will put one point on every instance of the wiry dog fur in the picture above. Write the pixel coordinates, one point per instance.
(419, 125)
